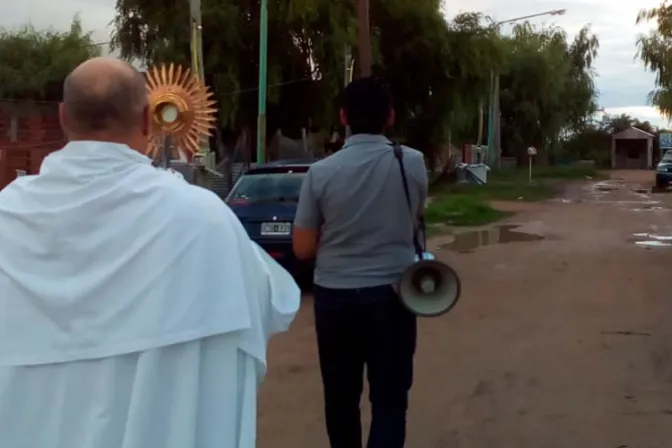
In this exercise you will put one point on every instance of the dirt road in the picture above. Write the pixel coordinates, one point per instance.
(564, 341)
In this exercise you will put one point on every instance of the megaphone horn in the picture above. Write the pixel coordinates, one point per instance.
(429, 288)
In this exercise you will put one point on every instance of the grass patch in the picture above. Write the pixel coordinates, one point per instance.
(497, 190)
(467, 204)
(462, 210)
(560, 172)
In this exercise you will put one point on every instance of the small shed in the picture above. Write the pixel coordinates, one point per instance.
(632, 149)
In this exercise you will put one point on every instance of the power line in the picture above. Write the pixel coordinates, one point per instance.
(32, 145)
(231, 93)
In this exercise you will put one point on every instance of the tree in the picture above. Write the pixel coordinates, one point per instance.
(654, 49)
(35, 62)
(547, 87)
(593, 140)
(438, 71)
(439, 75)
(410, 42)
(300, 33)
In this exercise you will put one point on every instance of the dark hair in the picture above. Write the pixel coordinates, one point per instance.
(116, 106)
(367, 103)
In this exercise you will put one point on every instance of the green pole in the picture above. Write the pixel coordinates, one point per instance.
(491, 119)
(263, 55)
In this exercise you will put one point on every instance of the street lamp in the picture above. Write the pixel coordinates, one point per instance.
(554, 12)
(494, 81)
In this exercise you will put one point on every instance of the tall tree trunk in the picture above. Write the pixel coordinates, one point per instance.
(447, 172)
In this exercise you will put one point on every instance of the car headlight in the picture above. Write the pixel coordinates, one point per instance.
(660, 168)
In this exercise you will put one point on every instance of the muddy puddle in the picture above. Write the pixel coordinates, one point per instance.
(604, 187)
(608, 185)
(466, 242)
(648, 208)
(633, 206)
(598, 191)
(649, 240)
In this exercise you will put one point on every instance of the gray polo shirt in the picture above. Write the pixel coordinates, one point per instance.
(355, 197)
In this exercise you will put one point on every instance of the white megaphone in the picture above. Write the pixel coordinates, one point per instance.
(429, 288)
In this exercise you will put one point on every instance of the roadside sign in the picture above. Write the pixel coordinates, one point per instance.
(531, 152)
(665, 141)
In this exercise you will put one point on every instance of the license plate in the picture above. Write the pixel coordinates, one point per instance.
(276, 228)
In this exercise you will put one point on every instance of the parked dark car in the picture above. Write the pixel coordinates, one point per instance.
(265, 200)
(664, 171)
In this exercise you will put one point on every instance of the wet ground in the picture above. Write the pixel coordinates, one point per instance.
(562, 338)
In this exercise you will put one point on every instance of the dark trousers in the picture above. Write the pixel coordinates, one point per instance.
(358, 327)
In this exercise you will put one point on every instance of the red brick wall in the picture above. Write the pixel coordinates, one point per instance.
(28, 132)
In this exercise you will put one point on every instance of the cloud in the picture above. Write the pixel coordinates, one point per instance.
(644, 113)
(94, 14)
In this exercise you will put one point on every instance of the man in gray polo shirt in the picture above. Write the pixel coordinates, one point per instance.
(353, 218)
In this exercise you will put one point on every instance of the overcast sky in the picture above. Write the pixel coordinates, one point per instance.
(622, 82)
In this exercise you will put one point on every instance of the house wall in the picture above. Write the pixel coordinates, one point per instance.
(29, 131)
(631, 138)
(624, 152)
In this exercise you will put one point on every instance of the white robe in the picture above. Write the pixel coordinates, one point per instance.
(134, 309)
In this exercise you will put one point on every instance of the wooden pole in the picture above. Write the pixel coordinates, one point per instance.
(198, 69)
(364, 38)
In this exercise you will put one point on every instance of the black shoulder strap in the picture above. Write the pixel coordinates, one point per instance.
(419, 247)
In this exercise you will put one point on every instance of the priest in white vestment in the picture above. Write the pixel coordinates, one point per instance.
(135, 310)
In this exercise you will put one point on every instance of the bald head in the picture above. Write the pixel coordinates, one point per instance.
(103, 96)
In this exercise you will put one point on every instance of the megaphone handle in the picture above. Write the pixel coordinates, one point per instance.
(419, 248)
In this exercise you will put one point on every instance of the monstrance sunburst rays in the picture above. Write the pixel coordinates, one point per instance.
(181, 107)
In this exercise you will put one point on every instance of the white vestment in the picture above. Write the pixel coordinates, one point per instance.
(134, 309)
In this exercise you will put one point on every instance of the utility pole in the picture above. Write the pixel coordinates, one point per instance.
(364, 38)
(198, 69)
(263, 78)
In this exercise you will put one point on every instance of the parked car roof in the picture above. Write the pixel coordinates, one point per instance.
(281, 164)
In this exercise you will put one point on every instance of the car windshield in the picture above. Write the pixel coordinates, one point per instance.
(268, 187)
(667, 157)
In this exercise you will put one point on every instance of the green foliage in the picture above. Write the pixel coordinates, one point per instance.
(547, 87)
(299, 31)
(35, 62)
(654, 49)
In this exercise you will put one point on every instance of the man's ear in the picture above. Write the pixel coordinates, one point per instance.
(344, 118)
(61, 117)
(391, 117)
(147, 121)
